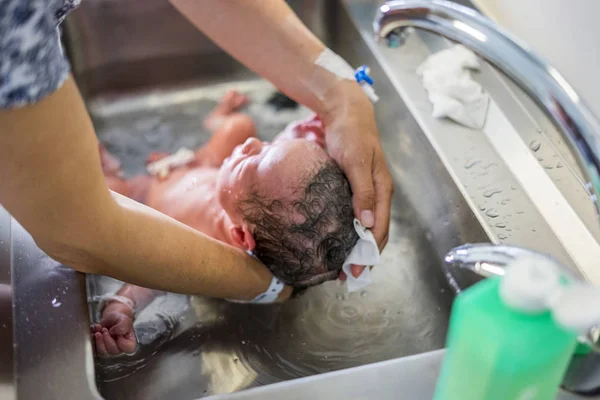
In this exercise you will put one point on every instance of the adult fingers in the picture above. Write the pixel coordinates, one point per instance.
(360, 176)
(384, 190)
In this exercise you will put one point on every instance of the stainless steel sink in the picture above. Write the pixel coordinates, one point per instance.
(148, 78)
(218, 347)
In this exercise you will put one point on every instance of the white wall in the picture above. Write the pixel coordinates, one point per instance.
(564, 32)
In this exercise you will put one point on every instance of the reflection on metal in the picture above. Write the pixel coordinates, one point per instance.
(7, 386)
(546, 87)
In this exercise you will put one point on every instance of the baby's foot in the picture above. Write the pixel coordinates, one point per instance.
(230, 103)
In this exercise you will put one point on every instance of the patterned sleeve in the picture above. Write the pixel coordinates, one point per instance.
(32, 64)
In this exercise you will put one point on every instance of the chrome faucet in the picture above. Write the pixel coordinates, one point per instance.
(547, 87)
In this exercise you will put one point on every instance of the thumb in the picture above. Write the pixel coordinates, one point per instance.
(357, 270)
(363, 192)
(120, 328)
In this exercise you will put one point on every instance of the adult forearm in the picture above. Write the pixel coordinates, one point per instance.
(152, 250)
(267, 37)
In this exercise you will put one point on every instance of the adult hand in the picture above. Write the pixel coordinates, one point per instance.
(114, 334)
(352, 140)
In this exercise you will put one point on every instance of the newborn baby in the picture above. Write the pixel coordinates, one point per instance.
(287, 202)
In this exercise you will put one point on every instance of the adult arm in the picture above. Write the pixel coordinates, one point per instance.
(52, 183)
(267, 37)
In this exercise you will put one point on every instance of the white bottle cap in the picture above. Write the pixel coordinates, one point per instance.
(533, 285)
(576, 307)
(528, 284)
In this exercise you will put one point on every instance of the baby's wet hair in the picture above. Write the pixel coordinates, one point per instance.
(305, 241)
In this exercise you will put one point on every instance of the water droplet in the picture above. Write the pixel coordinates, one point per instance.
(339, 296)
(502, 236)
(512, 187)
(243, 342)
(559, 165)
(236, 360)
(481, 207)
(363, 293)
(492, 213)
(384, 312)
(56, 302)
(303, 343)
(491, 192)
(535, 145)
(196, 353)
(492, 164)
(548, 166)
(540, 158)
(501, 225)
(470, 163)
(504, 201)
(533, 230)
(520, 212)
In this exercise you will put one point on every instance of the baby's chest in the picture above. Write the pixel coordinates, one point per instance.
(188, 196)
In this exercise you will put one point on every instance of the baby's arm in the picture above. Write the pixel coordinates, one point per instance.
(114, 334)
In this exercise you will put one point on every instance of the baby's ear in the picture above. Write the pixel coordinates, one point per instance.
(242, 237)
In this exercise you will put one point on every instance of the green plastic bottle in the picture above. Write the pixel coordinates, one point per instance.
(504, 341)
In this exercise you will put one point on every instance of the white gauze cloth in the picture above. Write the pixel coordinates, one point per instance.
(446, 76)
(365, 252)
(162, 167)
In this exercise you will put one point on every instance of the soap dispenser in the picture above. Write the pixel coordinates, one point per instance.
(512, 337)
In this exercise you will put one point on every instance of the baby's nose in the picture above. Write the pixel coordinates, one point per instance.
(252, 146)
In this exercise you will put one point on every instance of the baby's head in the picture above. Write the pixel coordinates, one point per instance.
(291, 205)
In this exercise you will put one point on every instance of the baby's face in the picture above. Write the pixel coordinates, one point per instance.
(275, 170)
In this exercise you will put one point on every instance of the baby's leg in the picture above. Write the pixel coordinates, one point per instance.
(230, 129)
(231, 102)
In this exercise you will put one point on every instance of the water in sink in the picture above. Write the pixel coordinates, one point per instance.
(192, 347)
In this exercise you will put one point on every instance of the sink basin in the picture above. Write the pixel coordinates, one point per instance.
(149, 89)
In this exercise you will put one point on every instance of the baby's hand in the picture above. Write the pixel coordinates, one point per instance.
(114, 334)
(311, 129)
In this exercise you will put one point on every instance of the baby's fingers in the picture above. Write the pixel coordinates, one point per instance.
(100, 346)
(127, 343)
(109, 342)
